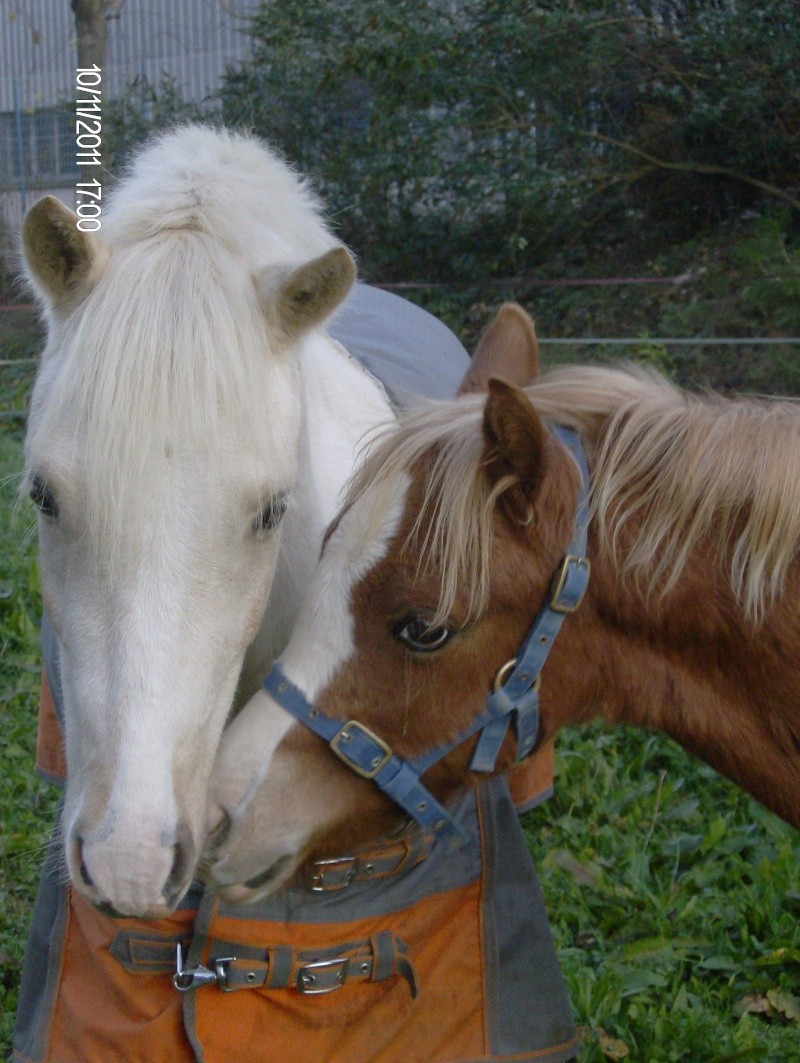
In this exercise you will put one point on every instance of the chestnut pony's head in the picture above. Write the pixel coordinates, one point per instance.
(443, 554)
(428, 581)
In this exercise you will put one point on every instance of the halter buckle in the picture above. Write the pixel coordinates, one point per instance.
(569, 584)
(371, 753)
(322, 976)
(343, 869)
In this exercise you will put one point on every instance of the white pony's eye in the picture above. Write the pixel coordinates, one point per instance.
(421, 636)
(43, 498)
(271, 514)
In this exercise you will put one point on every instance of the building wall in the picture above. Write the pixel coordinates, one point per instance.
(190, 41)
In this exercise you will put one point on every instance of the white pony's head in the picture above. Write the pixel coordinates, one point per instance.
(162, 451)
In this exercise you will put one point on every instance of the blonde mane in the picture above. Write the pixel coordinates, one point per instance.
(689, 468)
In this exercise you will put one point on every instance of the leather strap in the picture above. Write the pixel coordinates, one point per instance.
(370, 865)
(314, 972)
(310, 971)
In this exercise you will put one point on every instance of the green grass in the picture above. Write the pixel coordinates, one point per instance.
(673, 897)
(26, 804)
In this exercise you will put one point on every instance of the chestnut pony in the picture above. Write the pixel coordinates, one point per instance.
(444, 553)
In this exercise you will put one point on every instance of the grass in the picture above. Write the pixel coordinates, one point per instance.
(26, 804)
(674, 899)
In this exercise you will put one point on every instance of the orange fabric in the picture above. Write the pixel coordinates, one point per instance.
(534, 776)
(50, 758)
(102, 1006)
(362, 1022)
(105, 1014)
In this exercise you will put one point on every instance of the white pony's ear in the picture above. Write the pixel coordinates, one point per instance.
(298, 300)
(61, 260)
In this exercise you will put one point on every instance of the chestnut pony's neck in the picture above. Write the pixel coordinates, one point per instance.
(689, 662)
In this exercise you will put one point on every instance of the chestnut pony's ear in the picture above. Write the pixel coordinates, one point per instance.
(514, 449)
(508, 349)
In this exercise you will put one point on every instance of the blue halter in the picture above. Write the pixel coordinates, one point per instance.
(515, 694)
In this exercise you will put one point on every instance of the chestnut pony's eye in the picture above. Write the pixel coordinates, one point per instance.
(43, 498)
(271, 514)
(419, 635)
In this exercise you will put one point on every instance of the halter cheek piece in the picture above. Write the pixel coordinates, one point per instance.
(515, 693)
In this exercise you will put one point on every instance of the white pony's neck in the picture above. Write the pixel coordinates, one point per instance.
(343, 404)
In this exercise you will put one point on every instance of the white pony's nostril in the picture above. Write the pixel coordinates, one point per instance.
(184, 851)
(84, 873)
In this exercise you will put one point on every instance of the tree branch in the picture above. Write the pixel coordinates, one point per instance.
(694, 167)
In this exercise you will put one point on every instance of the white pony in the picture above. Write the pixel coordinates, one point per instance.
(190, 430)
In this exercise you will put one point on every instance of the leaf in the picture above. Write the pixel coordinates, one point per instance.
(753, 1004)
(647, 947)
(586, 872)
(782, 955)
(639, 980)
(785, 1003)
(714, 835)
(611, 1047)
(719, 963)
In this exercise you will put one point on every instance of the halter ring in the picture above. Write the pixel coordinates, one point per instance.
(503, 673)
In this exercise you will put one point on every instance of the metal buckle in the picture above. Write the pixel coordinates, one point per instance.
(221, 971)
(319, 867)
(307, 979)
(186, 979)
(345, 734)
(560, 581)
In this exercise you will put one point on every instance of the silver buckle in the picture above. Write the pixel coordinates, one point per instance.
(560, 580)
(307, 978)
(319, 867)
(344, 735)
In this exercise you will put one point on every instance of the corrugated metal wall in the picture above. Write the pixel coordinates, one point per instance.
(190, 40)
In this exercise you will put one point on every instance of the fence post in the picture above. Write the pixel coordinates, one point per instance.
(20, 144)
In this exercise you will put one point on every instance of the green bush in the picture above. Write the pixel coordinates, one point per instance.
(458, 141)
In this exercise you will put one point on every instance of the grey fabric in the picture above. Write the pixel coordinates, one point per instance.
(527, 1002)
(42, 958)
(410, 351)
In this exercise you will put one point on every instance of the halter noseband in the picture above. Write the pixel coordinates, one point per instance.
(515, 693)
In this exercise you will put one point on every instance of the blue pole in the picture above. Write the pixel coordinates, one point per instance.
(20, 145)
